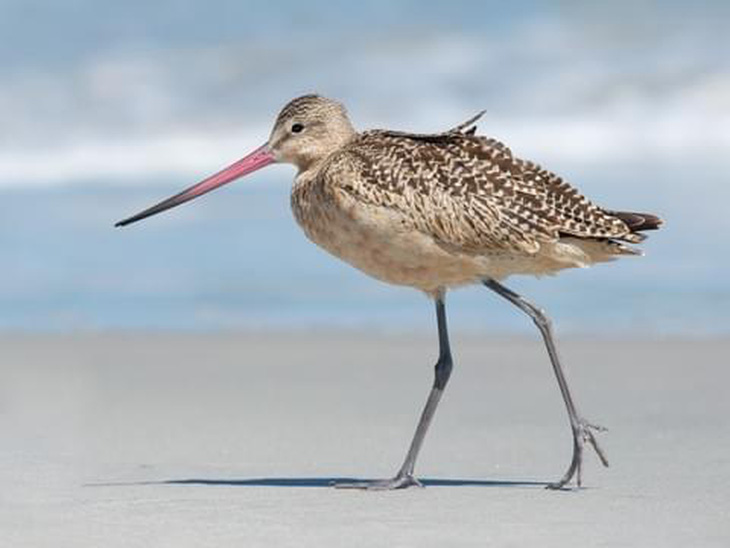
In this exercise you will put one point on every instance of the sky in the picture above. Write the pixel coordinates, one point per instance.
(105, 104)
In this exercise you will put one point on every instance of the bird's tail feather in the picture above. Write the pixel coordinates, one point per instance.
(638, 222)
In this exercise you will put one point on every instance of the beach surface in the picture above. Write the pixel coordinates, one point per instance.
(232, 440)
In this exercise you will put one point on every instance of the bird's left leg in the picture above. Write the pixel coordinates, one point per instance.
(582, 429)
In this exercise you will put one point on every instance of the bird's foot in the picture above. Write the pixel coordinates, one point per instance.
(400, 481)
(583, 432)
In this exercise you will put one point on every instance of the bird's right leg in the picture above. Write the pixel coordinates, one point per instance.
(405, 477)
(582, 429)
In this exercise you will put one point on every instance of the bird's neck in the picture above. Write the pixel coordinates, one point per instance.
(309, 172)
(309, 164)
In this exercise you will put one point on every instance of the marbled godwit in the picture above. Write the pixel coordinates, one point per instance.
(435, 211)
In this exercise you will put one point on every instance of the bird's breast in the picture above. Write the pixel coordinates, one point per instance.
(380, 241)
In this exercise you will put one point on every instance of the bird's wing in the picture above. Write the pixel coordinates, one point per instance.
(467, 191)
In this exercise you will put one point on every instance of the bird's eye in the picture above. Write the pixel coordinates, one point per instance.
(297, 128)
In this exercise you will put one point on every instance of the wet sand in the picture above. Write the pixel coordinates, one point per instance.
(232, 440)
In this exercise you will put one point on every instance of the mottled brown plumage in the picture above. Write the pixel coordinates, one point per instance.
(437, 210)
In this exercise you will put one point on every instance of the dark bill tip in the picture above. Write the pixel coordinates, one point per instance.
(259, 158)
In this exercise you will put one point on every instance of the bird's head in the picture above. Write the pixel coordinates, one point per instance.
(307, 130)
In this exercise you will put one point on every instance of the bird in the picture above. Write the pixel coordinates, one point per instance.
(436, 211)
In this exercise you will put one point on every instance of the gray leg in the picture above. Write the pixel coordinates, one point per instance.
(582, 430)
(404, 477)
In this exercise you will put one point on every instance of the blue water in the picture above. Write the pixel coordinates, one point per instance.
(236, 259)
(107, 107)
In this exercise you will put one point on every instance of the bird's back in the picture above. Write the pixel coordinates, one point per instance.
(469, 191)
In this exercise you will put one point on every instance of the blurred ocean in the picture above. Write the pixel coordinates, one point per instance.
(109, 107)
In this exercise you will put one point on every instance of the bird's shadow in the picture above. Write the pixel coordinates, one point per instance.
(320, 482)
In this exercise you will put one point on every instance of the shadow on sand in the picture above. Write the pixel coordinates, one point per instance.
(322, 482)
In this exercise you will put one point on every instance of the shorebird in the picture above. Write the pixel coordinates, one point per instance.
(434, 212)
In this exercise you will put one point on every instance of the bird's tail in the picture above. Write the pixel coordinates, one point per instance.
(638, 222)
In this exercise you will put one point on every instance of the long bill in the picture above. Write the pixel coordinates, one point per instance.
(259, 158)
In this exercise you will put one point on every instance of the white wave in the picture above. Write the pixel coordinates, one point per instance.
(180, 113)
(144, 160)
(674, 136)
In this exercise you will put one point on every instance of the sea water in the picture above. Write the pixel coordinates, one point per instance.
(105, 113)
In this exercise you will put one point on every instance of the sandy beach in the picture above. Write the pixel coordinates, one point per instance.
(222, 440)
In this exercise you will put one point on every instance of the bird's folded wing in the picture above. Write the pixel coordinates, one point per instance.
(467, 192)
